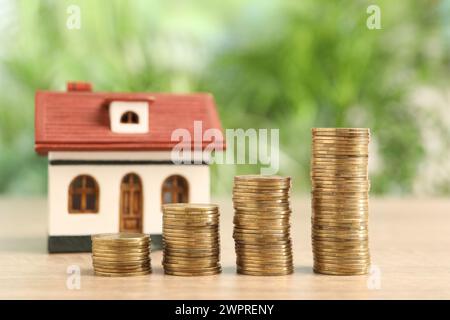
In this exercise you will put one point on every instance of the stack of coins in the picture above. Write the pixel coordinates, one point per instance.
(340, 200)
(121, 254)
(262, 225)
(191, 244)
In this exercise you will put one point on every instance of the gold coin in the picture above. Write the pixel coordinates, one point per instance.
(265, 264)
(342, 186)
(193, 269)
(122, 265)
(273, 268)
(191, 216)
(192, 236)
(117, 270)
(259, 242)
(119, 262)
(191, 263)
(341, 130)
(209, 237)
(121, 245)
(207, 256)
(261, 223)
(343, 216)
(121, 274)
(262, 191)
(263, 211)
(120, 248)
(261, 179)
(263, 187)
(340, 252)
(338, 203)
(252, 273)
(337, 143)
(252, 192)
(130, 268)
(334, 242)
(261, 228)
(345, 137)
(338, 232)
(187, 246)
(190, 206)
(260, 231)
(336, 257)
(259, 235)
(120, 237)
(265, 267)
(169, 250)
(265, 272)
(189, 225)
(194, 231)
(193, 274)
(261, 215)
(192, 223)
(123, 256)
(200, 215)
(243, 256)
(286, 260)
(356, 210)
(193, 245)
(265, 217)
(337, 154)
(340, 265)
(263, 249)
(201, 230)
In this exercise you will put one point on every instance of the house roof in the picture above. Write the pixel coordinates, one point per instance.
(79, 120)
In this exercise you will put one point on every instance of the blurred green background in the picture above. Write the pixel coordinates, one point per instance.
(290, 65)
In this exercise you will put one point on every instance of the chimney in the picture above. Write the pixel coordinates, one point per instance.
(79, 86)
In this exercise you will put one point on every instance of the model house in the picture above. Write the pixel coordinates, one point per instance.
(109, 160)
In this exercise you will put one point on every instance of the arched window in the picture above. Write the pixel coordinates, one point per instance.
(175, 189)
(130, 117)
(83, 195)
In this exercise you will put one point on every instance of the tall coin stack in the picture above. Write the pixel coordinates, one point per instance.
(340, 200)
(121, 254)
(191, 244)
(262, 225)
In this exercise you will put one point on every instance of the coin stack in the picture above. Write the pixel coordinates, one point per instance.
(340, 200)
(191, 244)
(261, 225)
(121, 254)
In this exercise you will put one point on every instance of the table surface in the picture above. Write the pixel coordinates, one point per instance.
(409, 242)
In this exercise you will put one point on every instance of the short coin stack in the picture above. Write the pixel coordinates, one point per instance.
(121, 254)
(340, 200)
(262, 225)
(191, 241)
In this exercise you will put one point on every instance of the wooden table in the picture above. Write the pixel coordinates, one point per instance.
(409, 241)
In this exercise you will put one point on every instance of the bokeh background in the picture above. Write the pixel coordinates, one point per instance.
(287, 64)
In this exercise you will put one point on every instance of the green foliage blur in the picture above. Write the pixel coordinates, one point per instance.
(291, 65)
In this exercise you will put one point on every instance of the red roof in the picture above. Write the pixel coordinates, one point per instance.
(79, 121)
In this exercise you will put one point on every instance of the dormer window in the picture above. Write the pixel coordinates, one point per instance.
(129, 116)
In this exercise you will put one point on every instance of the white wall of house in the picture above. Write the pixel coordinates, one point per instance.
(109, 178)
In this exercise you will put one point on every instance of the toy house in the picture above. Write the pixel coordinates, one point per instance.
(109, 160)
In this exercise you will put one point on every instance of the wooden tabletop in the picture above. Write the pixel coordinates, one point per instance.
(409, 242)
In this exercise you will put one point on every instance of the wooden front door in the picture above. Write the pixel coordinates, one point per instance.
(131, 204)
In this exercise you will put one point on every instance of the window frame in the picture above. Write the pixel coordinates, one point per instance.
(84, 194)
(175, 188)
